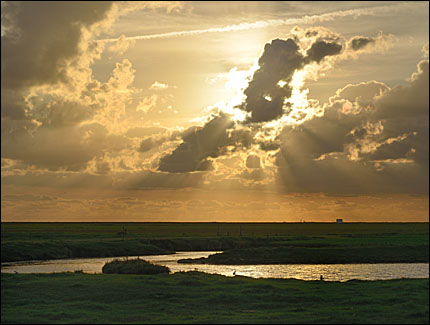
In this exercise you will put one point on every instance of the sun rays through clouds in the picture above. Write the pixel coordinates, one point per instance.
(279, 100)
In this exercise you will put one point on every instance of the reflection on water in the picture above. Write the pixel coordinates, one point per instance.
(331, 272)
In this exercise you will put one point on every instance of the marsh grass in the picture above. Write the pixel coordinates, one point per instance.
(348, 242)
(290, 254)
(194, 297)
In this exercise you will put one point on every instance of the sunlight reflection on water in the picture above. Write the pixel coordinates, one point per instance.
(330, 272)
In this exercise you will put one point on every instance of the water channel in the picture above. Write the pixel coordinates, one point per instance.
(330, 272)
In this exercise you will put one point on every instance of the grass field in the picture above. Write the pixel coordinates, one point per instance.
(102, 230)
(202, 298)
(253, 242)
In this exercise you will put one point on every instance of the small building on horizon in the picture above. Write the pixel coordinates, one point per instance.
(339, 220)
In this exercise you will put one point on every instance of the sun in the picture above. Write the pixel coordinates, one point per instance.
(297, 108)
(237, 81)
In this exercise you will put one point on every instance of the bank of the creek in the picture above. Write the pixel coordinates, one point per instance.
(330, 272)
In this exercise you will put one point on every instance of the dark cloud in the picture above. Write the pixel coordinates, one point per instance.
(13, 105)
(264, 98)
(147, 144)
(242, 137)
(320, 49)
(405, 111)
(253, 161)
(339, 174)
(269, 146)
(64, 113)
(39, 41)
(27, 58)
(199, 144)
(394, 150)
(154, 142)
(359, 42)
(407, 101)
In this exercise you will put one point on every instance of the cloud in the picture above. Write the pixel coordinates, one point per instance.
(43, 79)
(425, 51)
(355, 98)
(371, 139)
(102, 179)
(147, 144)
(160, 86)
(405, 111)
(358, 42)
(269, 146)
(365, 44)
(102, 167)
(264, 97)
(121, 45)
(274, 90)
(60, 113)
(269, 98)
(320, 49)
(13, 105)
(253, 175)
(49, 79)
(199, 144)
(330, 16)
(218, 136)
(253, 161)
(67, 147)
(150, 180)
(30, 60)
(61, 126)
(57, 118)
(147, 104)
(150, 143)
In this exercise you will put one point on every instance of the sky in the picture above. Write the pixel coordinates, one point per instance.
(215, 111)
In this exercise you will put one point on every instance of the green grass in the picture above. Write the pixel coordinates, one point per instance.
(259, 242)
(318, 255)
(102, 230)
(202, 298)
(133, 266)
(43, 250)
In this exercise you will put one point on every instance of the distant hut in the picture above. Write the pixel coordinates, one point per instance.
(339, 220)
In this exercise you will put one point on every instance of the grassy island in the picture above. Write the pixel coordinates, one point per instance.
(133, 266)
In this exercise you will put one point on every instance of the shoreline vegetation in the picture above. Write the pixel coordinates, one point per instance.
(316, 255)
(241, 243)
(194, 297)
